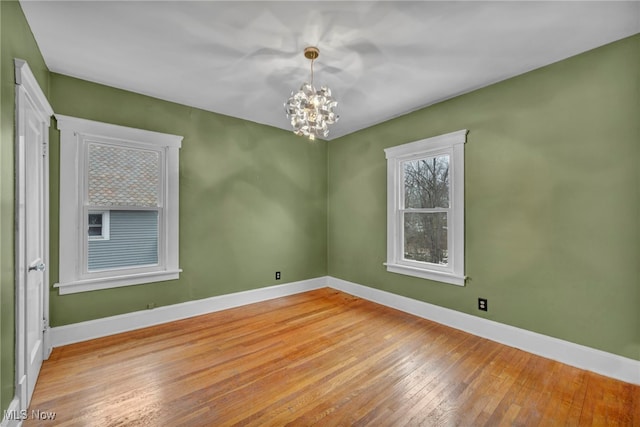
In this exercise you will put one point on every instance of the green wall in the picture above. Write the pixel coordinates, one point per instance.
(16, 41)
(252, 197)
(252, 202)
(552, 200)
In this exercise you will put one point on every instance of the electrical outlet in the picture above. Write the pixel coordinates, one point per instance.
(482, 304)
(151, 305)
(277, 275)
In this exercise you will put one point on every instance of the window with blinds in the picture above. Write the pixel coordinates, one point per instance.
(125, 183)
(118, 205)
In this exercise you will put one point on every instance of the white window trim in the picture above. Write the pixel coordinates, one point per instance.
(452, 144)
(105, 225)
(74, 133)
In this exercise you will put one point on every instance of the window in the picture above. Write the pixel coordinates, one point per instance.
(98, 225)
(118, 206)
(425, 208)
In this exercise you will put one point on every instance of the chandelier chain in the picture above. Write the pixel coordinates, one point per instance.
(312, 71)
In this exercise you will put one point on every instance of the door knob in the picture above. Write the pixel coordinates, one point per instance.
(38, 267)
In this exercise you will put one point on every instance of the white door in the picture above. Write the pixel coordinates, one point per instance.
(32, 126)
(34, 247)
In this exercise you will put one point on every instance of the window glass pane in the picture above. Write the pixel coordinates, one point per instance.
(426, 182)
(425, 237)
(95, 231)
(95, 219)
(133, 241)
(96, 222)
(123, 176)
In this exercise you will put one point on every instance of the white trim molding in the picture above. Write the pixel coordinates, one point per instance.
(83, 331)
(122, 133)
(86, 285)
(572, 354)
(13, 416)
(29, 99)
(26, 79)
(76, 136)
(587, 358)
(451, 146)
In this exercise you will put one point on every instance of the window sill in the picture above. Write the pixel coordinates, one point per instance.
(438, 276)
(116, 281)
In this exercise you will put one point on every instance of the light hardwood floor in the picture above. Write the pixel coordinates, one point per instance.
(319, 358)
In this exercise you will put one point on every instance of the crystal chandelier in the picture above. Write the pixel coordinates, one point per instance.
(311, 111)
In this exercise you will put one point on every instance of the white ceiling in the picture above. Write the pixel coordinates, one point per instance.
(381, 59)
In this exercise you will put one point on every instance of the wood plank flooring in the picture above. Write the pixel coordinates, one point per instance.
(319, 358)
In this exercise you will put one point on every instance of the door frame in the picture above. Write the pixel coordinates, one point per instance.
(27, 91)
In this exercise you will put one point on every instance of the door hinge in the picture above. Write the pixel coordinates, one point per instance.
(44, 149)
(44, 325)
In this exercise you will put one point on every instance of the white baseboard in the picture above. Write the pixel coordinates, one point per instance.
(83, 331)
(12, 417)
(577, 355)
(590, 359)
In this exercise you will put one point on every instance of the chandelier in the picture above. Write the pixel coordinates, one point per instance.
(311, 111)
